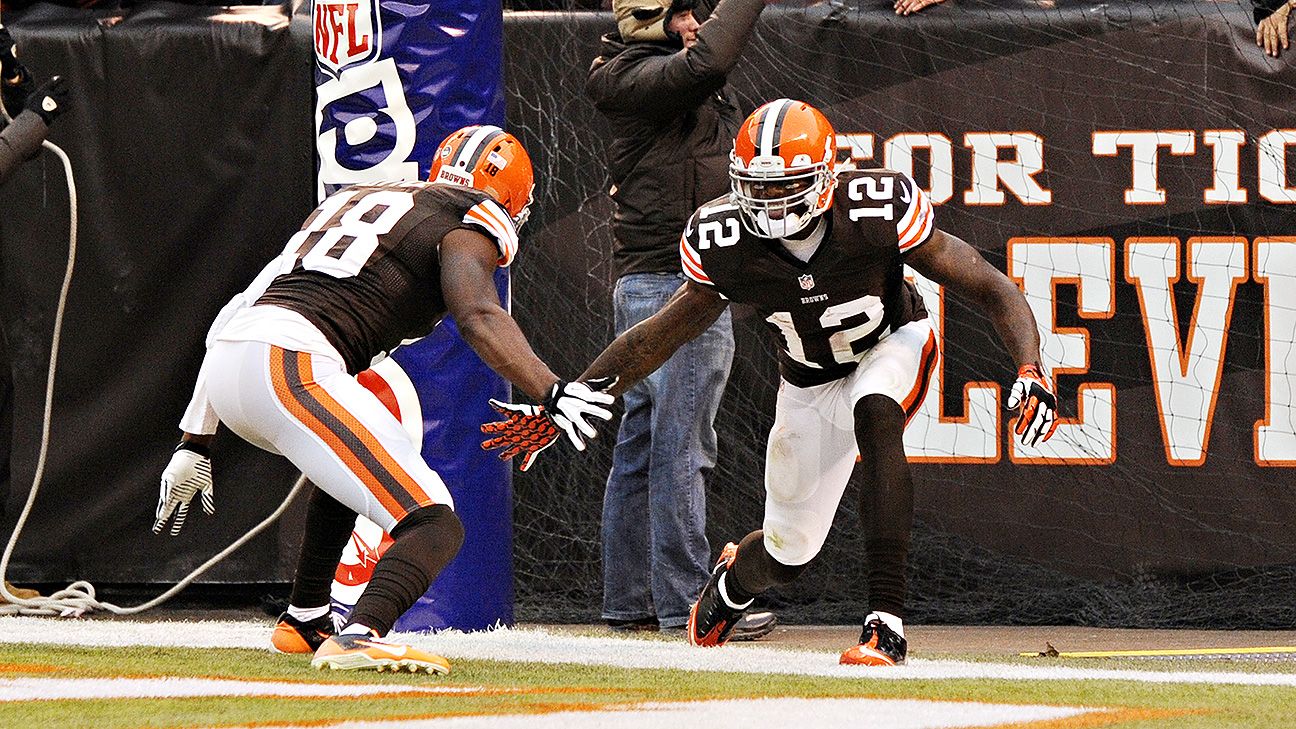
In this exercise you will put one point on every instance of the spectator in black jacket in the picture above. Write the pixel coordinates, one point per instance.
(19, 140)
(661, 81)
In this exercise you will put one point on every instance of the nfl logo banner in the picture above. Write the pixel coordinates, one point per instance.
(391, 81)
(346, 34)
(806, 281)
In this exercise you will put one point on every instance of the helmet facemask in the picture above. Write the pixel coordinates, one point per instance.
(777, 202)
(525, 213)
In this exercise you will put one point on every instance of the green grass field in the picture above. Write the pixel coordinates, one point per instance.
(506, 687)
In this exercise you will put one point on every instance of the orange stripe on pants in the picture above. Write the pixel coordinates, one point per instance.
(309, 388)
(926, 365)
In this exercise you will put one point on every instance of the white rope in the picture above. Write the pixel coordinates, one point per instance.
(79, 597)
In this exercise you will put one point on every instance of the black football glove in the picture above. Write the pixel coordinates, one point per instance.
(15, 81)
(569, 403)
(49, 99)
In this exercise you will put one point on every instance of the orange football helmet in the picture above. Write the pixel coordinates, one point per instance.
(489, 159)
(782, 169)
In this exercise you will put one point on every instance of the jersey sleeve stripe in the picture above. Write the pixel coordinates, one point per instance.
(692, 263)
(913, 211)
(913, 217)
(921, 237)
(488, 216)
(491, 209)
(919, 233)
(696, 275)
(920, 226)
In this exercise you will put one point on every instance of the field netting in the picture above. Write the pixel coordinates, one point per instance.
(1165, 280)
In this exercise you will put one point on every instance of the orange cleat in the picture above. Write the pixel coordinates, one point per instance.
(295, 636)
(879, 646)
(367, 652)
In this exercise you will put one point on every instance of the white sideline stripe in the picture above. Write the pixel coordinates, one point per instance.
(542, 646)
(55, 689)
(801, 713)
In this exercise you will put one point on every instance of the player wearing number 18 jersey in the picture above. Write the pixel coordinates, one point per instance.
(373, 266)
(820, 254)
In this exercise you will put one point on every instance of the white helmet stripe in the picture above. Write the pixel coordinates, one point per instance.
(771, 125)
(468, 152)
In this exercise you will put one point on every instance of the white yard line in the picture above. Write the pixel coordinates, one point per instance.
(800, 713)
(543, 646)
(52, 689)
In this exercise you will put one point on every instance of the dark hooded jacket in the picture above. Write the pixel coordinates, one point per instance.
(19, 141)
(673, 128)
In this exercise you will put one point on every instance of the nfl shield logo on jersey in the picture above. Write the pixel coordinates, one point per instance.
(806, 281)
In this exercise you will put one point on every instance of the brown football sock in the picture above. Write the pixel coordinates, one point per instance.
(426, 540)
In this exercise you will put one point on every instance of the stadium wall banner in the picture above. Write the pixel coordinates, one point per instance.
(391, 81)
(1131, 168)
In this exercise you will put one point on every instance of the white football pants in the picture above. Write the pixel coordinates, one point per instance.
(307, 408)
(812, 448)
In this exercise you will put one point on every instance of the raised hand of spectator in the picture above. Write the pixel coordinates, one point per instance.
(908, 7)
(49, 100)
(1271, 33)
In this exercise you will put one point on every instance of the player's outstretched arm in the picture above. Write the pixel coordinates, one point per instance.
(951, 262)
(468, 263)
(647, 345)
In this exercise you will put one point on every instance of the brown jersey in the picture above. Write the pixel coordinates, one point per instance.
(827, 311)
(365, 267)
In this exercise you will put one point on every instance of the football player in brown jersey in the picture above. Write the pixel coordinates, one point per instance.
(374, 266)
(819, 254)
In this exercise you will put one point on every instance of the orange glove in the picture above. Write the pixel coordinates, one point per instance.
(1033, 397)
(525, 431)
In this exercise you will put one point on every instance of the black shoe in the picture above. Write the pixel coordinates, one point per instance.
(711, 621)
(754, 626)
(294, 636)
(879, 646)
(633, 626)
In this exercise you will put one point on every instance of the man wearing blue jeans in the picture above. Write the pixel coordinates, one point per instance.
(665, 452)
(660, 80)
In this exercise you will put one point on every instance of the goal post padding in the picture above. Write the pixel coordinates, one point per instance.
(392, 80)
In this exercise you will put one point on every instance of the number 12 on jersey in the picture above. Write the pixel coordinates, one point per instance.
(878, 189)
(853, 321)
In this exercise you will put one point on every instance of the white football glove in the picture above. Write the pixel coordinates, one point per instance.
(570, 403)
(187, 475)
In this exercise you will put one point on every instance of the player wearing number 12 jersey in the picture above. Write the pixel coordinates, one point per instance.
(373, 266)
(819, 254)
